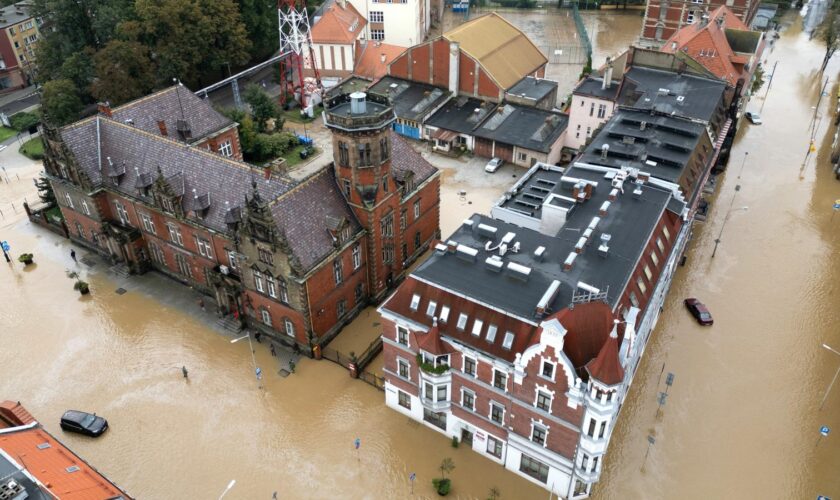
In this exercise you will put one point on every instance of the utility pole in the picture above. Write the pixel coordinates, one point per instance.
(819, 100)
(726, 219)
(770, 82)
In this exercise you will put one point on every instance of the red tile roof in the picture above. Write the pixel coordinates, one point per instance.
(431, 342)
(606, 367)
(13, 414)
(339, 24)
(49, 464)
(588, 326)
(707, 44)
(369, 59)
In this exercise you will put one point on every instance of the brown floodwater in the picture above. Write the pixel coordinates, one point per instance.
(741, 420)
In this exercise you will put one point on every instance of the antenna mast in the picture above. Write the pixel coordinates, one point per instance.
(295, 39)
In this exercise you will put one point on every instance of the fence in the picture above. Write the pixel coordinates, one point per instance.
(583, 35)
(341, 359)
(362, 361)
(373, 379)
(373, 349)
(567, 54)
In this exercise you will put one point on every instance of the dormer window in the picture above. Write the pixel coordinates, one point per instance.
(166, 203)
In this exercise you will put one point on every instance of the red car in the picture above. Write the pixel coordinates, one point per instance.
(699, 311)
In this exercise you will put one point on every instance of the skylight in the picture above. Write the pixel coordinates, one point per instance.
(491, 333)
(444, 314)
(430, 310)
(476, 329)
(415, 302)
(462, 321)
(508, 340)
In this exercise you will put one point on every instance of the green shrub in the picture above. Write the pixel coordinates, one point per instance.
(454, 441)
(442, 486)
(24, 121)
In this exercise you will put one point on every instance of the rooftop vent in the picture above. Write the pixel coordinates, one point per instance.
(680, 98)
(587, 233)
(637, 193)
(467, 222)
(604, 209)
(580, 245)
(613, 194)
(519, 271)
(628, 139)
(539, 253)
(466, 252)
(643, 125)
(594, 223)
(440, 249)
(508, 238)
(570, 261)
(451, 245)
(494, 263)
(588, 288)
(486, 230)
(663, 91)
(650, 163)
(357, 103)
(548, 297)
(604, 247)
(605, 150)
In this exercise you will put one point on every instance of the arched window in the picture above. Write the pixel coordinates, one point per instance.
(265, 316)
(290, 327)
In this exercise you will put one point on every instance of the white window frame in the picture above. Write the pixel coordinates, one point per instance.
(462, 321)
(465, 391)
(444, 314)
(404, 362)
(226, 148)
(258, 281)
(537, 399)
(85, 207)
(377, 35)
(232, 260)
(654, 258)
(553, 369)
(122, 213)
(402, 329)
(507, 343)
(376, 16)
(493, 381)
(464, 366)
(491, 332)
(204, 247)
(415, 302)
(431, 309)
(416, 209)
(490, 413)
(148, 223)
(357, 257)
(290, 327)
(477, 326)
(68, 199)
(544, 428)
(265, 316)
(271, 285)
(175, 234)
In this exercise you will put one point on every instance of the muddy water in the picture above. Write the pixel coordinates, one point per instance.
(742, 417)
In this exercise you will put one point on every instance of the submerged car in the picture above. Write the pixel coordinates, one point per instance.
(83, 423)
(699, 311)
(493, 165)
(754, 118)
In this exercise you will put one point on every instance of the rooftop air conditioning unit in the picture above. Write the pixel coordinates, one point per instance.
(224, 269)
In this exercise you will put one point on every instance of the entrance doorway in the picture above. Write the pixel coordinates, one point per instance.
(466, 437)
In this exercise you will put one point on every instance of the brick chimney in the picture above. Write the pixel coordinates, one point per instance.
(104, 108)
(162, 127)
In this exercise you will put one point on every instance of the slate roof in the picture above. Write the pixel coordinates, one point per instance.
(525, 127)
(662, 149)
(459, 115)
(186, 168)
(405, 159)
(304, 214)
(167, 105)
(592, 87)
(412, 101)
(339, 24)
(688, 96)
(505, 52)
(533, 88)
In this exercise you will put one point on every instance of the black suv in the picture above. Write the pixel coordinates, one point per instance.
(83, 423)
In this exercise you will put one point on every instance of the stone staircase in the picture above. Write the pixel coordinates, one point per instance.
(120, 270)
(229, 324)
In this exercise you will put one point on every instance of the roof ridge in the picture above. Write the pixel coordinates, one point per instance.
(145, 98)
(237, 163)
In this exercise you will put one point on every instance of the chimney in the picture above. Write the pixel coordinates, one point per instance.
(451, 245)
(382, 58)
(607, 75)
(604, 247)
(104, 108)
(162, 127)
(720, 20)
(605, 150)
(342, 3)
(704, 19)
(454, 68)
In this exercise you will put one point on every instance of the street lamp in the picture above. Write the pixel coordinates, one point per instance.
(725, 220)
(229, 486)
(746, 153)
(253, 357)
(832, 380)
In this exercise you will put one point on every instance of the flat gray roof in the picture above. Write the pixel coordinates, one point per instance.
(412, 101)
(462, 114)
(629, 222)
(523, 126)
(533, 88)
(672, 93)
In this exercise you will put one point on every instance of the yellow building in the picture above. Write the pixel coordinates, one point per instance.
(20, 33)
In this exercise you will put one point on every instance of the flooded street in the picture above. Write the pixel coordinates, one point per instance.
(741, 420)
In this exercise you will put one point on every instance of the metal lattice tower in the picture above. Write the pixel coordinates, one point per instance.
(296, 40)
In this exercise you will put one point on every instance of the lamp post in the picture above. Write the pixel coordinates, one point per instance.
(229, 486)
(832, 380)
(746, 153)
(253, 357)
(726, 219)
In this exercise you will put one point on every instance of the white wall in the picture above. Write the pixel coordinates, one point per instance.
(580, 121)
(327, 63)
(403, 24)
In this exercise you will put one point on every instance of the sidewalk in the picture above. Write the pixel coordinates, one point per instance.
(19, 100)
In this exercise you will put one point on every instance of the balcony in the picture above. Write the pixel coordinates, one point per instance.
(371, 111)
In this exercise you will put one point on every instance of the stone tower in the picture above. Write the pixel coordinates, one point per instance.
(361, 125)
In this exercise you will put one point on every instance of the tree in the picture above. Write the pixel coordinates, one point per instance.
(60, 102)
(45, 191)
(260, 19)
(446, 467)
(190, 39)
(263, 108)
(758, 79)
(124, 72)
(830, 33)
(443, 484)
(79, 69)
(24, 121)
(494, 493)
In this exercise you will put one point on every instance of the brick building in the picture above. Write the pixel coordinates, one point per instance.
(521, 334)
(34, 464)
(157, 185)
(663, 18)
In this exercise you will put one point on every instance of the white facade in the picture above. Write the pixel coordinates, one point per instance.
(586, 114)
(333, 57)
(404, 23)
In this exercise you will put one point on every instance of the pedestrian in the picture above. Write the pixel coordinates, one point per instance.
(185, 372)
(257, 337)
(73, 254)
(273, 351)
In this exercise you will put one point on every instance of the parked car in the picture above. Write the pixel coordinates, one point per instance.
(83, 423)
(754, 118)
(699, 311)
(494, 165)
